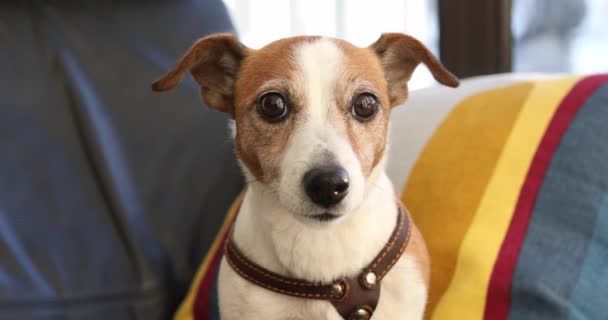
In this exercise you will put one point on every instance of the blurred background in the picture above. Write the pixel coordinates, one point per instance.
(477, 36)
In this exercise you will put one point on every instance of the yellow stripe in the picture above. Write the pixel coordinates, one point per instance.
(186, 311)
(466, 295)
(451, 174)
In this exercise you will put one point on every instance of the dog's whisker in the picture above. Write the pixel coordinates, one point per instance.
(367, 158)
(326, 116)
(377, 186)
(295, 242)
(300, 206)
(391, 194)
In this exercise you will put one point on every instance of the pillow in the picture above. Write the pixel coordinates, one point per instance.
(507, 179)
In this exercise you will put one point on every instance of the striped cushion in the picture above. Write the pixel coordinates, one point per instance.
(509, 186)
(507, 178)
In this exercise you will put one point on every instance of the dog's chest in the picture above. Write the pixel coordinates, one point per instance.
(402, 296)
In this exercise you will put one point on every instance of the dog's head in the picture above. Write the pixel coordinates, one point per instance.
(311, 113)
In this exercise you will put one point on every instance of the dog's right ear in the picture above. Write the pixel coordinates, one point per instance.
(213, 62)
(400, 54)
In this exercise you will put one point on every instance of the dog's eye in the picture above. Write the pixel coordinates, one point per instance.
(365, 107)
(272, 107)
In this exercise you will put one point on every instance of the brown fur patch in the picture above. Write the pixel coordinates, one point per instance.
(261, 145)
(363, 73)
(417, 249)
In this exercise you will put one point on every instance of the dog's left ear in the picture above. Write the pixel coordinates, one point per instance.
(400, 54)
(213, 62)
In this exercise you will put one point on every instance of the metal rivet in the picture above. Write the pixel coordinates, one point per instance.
(370, 278)
(337, 289)
(360, 314)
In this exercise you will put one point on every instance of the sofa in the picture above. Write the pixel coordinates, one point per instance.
(114, 201)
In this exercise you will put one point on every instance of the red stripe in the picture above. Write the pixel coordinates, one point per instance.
(499, 289)
(200, 309)
(201, 301)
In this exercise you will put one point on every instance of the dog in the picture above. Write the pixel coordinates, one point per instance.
(311, 116)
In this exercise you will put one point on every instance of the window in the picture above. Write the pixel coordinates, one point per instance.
(560, 36)
(262, 21)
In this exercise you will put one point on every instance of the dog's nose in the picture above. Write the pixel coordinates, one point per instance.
(326, 186)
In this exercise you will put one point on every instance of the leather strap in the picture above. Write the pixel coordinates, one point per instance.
(353, 297)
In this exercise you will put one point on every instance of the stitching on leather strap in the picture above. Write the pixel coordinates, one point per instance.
(262, 273)
(291, 293)
(396, 258)
(239, 256)
(394, 239)
(403, 220)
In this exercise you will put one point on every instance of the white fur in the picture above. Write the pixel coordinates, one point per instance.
(321, 138)
(277, 236)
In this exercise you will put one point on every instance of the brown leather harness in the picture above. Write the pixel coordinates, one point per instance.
(355, 298)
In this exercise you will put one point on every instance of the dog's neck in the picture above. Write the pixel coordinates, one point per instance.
(278, 241)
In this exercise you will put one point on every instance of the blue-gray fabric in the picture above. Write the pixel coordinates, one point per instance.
(588, 300)
(566, 214)
(110, 194)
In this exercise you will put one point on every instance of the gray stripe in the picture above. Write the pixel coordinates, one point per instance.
(564, 217)
(588, 300)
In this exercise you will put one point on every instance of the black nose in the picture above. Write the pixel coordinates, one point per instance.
(326, 186)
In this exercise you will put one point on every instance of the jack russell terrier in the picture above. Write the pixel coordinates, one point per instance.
(320, 233)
